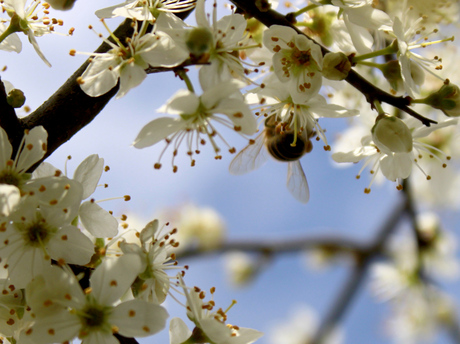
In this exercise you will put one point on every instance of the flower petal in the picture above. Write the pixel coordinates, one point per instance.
(157, 130)
(138, 318)
(97, 220)
(88, 174)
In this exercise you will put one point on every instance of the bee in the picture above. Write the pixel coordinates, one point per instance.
(283, 144)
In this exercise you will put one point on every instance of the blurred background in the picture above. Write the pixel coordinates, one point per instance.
(254, 207)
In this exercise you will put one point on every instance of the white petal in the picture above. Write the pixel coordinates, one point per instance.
(278, 35)
(397, 166)
(99, 337)
(157, 130)
(56, 328)
(97, 220)
(354, 156)
(234, 26)
(34, 43)
(246, 336)
(149, 231)
(9, 199)
(59, 198)
(178, 331)
(360, 36)
(182, 102)
(138, 318)
(88, 174)
(200, 14)
(10, 43)
(164, 51)
(71, 245)
(101, 75)
(224, 90)
(5, 148)
(114, 277)
(108, 11)
(34, 148)
(370, 18)
(45, 169)
(240, 114)
(131, 76)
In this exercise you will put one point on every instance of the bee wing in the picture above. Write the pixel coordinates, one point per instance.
(250, 157)
(297, 182)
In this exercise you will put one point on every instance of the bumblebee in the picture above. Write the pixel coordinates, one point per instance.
(283, 144)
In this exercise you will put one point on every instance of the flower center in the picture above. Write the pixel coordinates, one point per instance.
(300, 58)
(94, 318)
(37, 233)
(296, 61)
(10, 177)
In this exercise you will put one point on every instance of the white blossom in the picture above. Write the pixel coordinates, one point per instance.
(195, 117)
(297, 61)
(63, 311)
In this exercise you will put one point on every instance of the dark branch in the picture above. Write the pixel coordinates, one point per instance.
(8, 119)
(270, 17)
(69, 109)
(278, 246)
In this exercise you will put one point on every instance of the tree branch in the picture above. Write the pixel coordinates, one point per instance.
(279, 246)
(270, 17)
(352, 285)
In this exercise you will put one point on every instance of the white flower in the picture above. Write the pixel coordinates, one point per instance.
(297, 61)
(10, 43)
(198, 227)
(30, 23)
(410, 35)
(418, 308)
(301, 115)
(96, 220)
(396, 164)
(210, 325)
(227, 36)
(146, 9)
(153, 283)
(63, 311)
(128, 63)
(195, 117)
(50, 191)
(35, 235)
(359, 16)
(240, 267)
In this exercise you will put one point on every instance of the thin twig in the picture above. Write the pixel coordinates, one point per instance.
(352, 285)
(281, 246)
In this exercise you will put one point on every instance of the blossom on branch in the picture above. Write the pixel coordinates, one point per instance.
(126, 64)
(297, 61)
(394, 147)
(195, 117)
(25, 19)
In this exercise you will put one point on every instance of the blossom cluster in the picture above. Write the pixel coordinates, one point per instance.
(50, 224)
(278, 82)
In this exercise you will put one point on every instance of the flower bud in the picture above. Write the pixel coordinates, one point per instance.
(199, 41)
(392, 72)
(62, 5)
(336, 66)
(16, 98)
(446, 99)
(391, 134)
